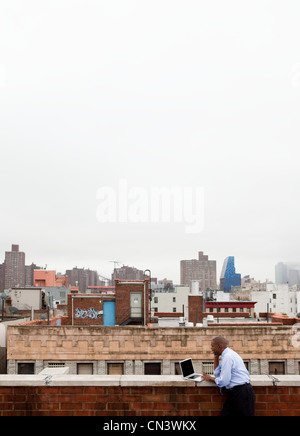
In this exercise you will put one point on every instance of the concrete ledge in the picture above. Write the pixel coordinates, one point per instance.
(59, 380)
(50, 379)
(55, 371)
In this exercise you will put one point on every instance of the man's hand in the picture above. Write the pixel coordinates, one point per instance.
(216, 361)
(208, 377)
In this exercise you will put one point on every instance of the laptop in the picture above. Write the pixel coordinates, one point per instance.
(187, 369)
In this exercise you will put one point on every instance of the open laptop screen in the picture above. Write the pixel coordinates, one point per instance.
(187, 367)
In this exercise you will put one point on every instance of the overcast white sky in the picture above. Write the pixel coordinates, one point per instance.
(166, 93)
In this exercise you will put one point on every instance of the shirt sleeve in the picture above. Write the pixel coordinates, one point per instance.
(217, 371)
(223, 372)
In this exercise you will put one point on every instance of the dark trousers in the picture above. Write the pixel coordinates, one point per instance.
(239, 402)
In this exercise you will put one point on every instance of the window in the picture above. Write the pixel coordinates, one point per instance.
(208, 368)
(174, 299)
(155, 300)
(174, 309)
(152, 368)
(56, 364)
(84, 368)
(277, 368)
(115, 368)
(177, 369)
(25, 368)
(246, 364)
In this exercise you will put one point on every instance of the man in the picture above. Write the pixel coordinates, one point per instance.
(233, 378)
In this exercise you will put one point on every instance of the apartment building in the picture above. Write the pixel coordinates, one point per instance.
(83, 278)
(201, 269)
(173, 299)
(277, 298)
(14, 272)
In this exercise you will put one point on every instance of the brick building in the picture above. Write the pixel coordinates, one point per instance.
(83, 278)
(86, 309)
(128, 273)
(132, 302)
(129, 304)
(195, 308)
(201, 269)
(29, 271)
(14, 268)
(232, 309)
(47, 278)
(14, 272)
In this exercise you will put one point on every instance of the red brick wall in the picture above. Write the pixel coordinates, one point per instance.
(87, 307)
(195, 308)
(123, 291)
(138, 401)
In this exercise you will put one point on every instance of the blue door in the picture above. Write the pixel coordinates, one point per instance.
(109, 313)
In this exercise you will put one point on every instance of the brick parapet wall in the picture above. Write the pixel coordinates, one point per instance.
(136, 396)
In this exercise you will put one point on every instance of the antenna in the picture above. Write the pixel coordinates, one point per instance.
(115, 262)
(104, 279)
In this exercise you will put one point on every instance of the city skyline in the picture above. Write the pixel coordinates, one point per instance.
(116, 264)
(182, 97)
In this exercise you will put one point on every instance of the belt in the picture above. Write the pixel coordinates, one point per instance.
(235, 388)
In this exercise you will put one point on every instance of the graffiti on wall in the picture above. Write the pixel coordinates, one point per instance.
(90, 313)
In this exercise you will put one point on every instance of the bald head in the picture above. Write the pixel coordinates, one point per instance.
(220, 340)
(218, 345)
